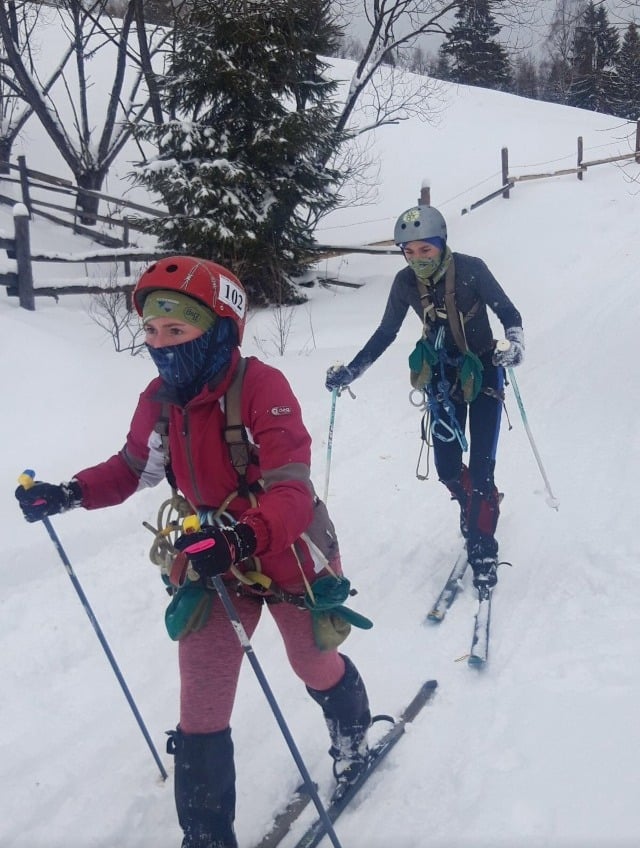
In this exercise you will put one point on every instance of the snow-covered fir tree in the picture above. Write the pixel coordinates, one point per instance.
(595, 83)
(240, 161)
(628, 68)
(470, 54)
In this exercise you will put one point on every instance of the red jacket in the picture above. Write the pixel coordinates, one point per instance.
(202, 467)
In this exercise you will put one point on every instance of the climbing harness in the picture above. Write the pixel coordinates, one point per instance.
(439, 420)
(434, 396)
(191, 595)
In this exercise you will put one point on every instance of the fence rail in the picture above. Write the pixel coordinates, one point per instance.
(32, 181)
(509, 180)
(17, 277)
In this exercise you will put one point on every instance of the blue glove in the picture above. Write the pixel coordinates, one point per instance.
(42, 499)
(339, 376)
(514, 353)
(213, 550)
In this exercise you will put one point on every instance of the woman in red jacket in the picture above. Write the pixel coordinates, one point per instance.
(249, 482)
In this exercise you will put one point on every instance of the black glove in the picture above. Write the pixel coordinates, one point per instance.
(513, 354)
(213, 550)
(44, 499)
(339, 376)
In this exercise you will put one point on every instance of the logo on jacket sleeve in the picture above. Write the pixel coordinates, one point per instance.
(281, 410)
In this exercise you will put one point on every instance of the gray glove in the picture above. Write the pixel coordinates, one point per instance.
(511, 354)
(339, 376)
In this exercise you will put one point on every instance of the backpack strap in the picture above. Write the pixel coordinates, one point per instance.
(161, 427)
(455, 319)
(453, 316)
(241, 450)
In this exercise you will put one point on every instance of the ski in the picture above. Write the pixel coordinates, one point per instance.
(316, 832)
(480, 642)
(450, 589)
(285, 818)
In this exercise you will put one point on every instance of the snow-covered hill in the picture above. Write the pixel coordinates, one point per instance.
(539, 750)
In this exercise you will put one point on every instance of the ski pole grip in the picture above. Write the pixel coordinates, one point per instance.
(191, 524)
(27, 478)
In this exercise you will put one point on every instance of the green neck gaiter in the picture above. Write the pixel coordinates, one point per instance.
(430, 269)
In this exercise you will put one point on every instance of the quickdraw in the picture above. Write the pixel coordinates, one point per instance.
(443, 427)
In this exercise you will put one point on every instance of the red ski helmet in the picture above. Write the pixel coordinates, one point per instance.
(211, 284)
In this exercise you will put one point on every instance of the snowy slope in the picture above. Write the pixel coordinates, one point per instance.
(540, 749)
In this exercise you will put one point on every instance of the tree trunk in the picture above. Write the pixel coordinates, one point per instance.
(6, 145)
(87, 204)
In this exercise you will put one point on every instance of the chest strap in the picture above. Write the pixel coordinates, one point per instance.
(455, 319)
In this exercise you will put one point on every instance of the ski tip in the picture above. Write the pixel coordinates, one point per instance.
(476, 662)
(430, 686)
(435, 616)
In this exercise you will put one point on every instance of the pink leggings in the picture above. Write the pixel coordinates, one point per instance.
(210, 661)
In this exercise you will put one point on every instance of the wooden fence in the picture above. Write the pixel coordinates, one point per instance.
(17, 274)
(35, 184)
(509, 180)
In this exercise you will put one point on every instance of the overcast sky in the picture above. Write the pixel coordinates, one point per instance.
(529, 36)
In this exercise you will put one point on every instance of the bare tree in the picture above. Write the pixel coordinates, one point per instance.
(110, 310)
(88, 148)
(558, 67)
(14, 110)
(395, 26)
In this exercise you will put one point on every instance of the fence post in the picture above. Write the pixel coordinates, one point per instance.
(425, 195)
(638, 141)
(23, 256)
(580, 157)
(505, 172)
(24, 183)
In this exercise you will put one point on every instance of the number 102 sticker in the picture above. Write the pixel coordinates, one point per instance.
(232, 295)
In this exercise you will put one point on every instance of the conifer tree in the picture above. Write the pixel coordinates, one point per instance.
(240, 162)
(470, 52)
(525, 77)
(555, 80)
(595, 83)
(628, 68)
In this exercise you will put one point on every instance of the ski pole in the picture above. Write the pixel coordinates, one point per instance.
(551, 500)
(191, 524)
(332, 418)
(335, 394)
(26, 481)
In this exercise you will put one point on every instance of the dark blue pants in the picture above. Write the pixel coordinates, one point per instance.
(473, 485)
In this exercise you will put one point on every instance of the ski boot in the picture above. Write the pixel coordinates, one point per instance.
(346, 711)
(483, 559)
(204, 787)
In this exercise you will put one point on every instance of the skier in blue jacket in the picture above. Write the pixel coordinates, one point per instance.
(458, 365)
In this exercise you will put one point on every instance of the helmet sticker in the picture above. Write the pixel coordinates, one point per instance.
(232, 295)
(411, 215)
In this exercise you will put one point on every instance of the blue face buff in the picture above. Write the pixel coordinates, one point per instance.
(188, 367)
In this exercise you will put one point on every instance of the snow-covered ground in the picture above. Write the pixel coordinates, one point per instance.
(539, 750)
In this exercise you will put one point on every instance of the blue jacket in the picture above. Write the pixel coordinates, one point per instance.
(474, 283)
